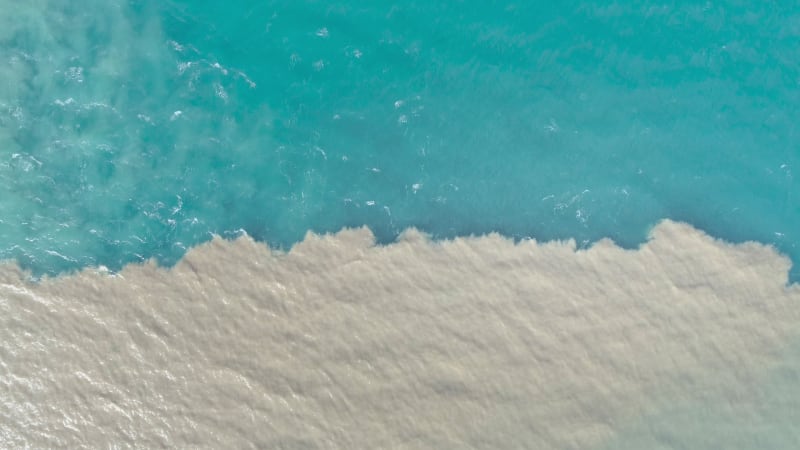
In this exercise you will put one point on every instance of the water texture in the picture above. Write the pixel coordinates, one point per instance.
(470, 343)
(137, 129)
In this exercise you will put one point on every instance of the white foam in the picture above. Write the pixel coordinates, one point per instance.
(475, 342)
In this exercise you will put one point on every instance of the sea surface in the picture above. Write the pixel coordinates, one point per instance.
(137, 130)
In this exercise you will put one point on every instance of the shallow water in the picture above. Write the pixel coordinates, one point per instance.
(471, 343)
(137, 129)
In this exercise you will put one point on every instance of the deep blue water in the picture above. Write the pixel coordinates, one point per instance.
(136, 129)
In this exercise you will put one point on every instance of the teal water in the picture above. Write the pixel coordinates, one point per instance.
(137, 129)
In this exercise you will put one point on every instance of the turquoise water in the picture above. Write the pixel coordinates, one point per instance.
(137, 129)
